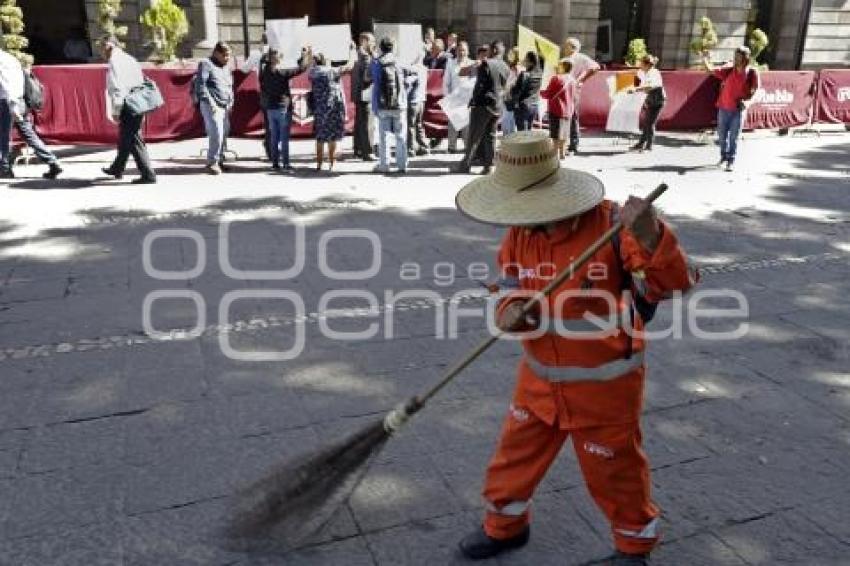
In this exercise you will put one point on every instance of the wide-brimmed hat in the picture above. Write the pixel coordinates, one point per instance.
(529, 187)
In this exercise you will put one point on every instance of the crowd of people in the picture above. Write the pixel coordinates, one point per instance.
(503, 91)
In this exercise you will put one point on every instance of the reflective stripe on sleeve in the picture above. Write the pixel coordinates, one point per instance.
(512, 509)
(649, 531)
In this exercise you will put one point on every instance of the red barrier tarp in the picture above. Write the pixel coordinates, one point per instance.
(833, 104)
(75, 106)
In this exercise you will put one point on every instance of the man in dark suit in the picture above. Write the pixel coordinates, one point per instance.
(361, 81)
(486, 108)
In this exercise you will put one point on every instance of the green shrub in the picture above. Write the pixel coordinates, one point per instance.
(107, 12)
(707, 39)
(637, 50)
(12, 29)
(758, 42)
(168, 26)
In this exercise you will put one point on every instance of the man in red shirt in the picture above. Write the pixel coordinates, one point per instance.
(739, 83)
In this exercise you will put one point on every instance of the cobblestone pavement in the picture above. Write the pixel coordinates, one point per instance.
(123, 446)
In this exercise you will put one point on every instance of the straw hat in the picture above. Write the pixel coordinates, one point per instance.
(529, 187)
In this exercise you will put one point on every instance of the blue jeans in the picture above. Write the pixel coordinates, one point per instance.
(5, 135)
(279, 121)
(729, 123)
(508, 123)
(27, 131)
(392, 122)
(217, 125)
(524, 116)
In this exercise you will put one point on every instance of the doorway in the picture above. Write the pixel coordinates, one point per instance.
(56, 31)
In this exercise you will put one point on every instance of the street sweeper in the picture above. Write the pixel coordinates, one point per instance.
(582, 372)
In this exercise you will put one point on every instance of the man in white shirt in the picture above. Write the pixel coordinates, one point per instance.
(11, 92)
(584, 67)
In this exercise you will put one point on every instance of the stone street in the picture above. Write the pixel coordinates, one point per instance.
(125, 426)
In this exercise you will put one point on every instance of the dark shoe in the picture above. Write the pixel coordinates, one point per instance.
(623, 559)
(7, 174)
(487, 170)
(54, 171)
(368, 158)
(112, 173)
(478, 546)
(461, 169)
(144, 181)
(636, 147)
(435, 143)
(422, 151)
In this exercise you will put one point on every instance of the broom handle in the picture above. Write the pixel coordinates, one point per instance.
(417, 402)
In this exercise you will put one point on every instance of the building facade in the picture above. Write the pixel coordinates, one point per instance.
(803, 33)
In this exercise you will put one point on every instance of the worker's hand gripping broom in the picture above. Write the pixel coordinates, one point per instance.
(292, 503)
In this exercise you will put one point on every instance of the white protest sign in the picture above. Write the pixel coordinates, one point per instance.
(624, 115)
(407, 39)
(456, 104)
(332, 41)
(288, 37)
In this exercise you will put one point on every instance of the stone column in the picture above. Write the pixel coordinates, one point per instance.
(207, 16)
(560, 29)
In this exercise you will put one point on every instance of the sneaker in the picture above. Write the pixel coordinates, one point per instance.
(368, 158)
(214, 169)
(54, 171)
(637, 147)
(478, 546)
(422, 151)
(730, 166)
(276, 166)
(623, 559)
(112, 173)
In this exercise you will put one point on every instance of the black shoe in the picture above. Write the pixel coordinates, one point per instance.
(368, 158)
(435, 143)
(112, 173)
(487, 170)
(144, 181)
(477, 545)
(275, 166)
(7, 174)
(623, 559)
(54, 171)
(461, 169)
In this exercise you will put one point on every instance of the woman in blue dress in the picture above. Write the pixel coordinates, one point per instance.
(328, 104)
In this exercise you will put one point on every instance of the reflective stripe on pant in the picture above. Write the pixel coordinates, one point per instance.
(615, 470)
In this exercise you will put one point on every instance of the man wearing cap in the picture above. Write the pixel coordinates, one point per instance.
(738, 84)
(582, 372)
(583, 67)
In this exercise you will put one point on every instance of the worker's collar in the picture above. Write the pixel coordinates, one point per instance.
(560, 231)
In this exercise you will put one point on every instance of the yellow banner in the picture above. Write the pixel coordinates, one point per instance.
(529, 40)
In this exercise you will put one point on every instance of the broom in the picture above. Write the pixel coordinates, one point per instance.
(298, 499)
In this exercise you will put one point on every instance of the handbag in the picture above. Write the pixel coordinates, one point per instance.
(144, 98)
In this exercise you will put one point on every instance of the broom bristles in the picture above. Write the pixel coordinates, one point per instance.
(295, 501)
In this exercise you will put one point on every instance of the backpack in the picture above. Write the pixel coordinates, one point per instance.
(196, 78)
(390, 88)
(645, 308)
(33, 92)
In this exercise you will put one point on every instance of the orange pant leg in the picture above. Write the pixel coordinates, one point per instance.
(616, 472)
(526, 449)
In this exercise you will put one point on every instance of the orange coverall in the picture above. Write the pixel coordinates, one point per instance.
(595, 391)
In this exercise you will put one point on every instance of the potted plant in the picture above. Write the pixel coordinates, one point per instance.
(168, 26)
(758, 42)
(706, 41)
(12, 29)
(107, 12)
(636, 51)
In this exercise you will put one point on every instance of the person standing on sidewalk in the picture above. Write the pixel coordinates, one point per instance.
(274, 85)
(487, 106)
(416, 84)
(455, 78)
(525, 93)
(650, 82)
(389, 102)
(583, 67)
(214, 93)
(32, 101)
(738, 84)
(123, 75)
(361, 96)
